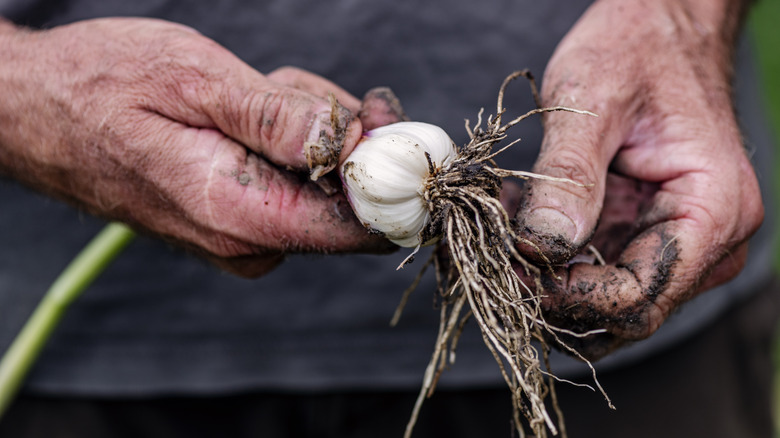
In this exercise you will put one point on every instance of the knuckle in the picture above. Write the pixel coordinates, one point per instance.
(573, 164)
(754, 213)
(287, 74)
(731, 266)
(751, 213)
(655, 315)
(271, 117)
(636, 320)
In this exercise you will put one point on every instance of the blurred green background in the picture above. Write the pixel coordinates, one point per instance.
(764, 26)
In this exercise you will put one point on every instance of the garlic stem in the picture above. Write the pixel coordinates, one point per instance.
(79, 274)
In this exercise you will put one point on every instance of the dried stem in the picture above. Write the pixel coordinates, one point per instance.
(479, 269)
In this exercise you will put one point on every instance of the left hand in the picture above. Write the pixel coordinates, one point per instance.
(670, 197)
(153, 124)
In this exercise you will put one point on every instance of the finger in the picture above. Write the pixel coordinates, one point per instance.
(560, 217)
(380, 107)
(314, 84)
(628, 299)
(289, 127)
(659, 270)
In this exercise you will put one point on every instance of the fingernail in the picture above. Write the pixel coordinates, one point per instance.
(551, 222)
(322, 148)
(320, 125)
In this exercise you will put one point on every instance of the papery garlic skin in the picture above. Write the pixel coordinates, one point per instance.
(384, 178)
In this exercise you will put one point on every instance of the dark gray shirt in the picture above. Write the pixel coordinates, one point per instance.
(160, 321)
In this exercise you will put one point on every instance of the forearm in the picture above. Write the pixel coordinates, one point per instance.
(32, 146)
(625, 42)
(719, 19)
(15, 106)
(708, 27)
(717, 23)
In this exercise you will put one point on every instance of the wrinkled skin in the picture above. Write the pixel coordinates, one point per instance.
(669, 198)
(150, 123)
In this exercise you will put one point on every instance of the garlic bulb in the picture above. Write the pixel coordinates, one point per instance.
(385, 177)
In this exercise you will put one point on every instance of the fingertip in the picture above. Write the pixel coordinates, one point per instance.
(563, 201)
(556, 219)
(330, 132)
(380, 107)
(352, 137)
(549, 221)
(549, 235)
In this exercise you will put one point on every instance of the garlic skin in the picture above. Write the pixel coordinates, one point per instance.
(385, 176)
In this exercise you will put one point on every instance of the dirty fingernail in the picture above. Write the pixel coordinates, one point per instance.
(551, 222)
(324, 142)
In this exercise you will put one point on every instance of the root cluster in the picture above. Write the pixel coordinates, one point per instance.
(475, 264)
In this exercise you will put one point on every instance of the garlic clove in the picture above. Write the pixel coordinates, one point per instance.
(389, 180)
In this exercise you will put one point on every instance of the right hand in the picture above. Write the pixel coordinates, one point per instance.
(669, 195)
(152, 124)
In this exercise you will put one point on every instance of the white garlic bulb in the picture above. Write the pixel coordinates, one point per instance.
(385, 177)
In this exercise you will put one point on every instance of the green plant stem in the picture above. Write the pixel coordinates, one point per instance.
(79, 274)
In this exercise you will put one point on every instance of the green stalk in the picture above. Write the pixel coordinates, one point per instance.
(79, 274)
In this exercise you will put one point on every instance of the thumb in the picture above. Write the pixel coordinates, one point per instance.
(557, 218)
(289, 127)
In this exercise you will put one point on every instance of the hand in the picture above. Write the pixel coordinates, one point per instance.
(152, 124)
(669, 197)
